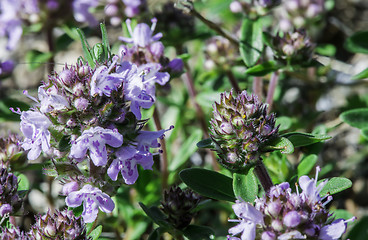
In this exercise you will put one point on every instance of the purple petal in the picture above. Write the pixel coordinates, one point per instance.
(74, 199)
(106, 204)
(113, 138)
(333, 231)
(90, 211)
(114, 170)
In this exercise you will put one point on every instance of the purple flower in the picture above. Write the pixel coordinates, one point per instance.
(82, 12)
(128, 157)
(34, 126)
(132, 7)
(334, 230)
(309, 186)
(142, 34)
(93, 199)
(103, 82)
(10, 24)
(140, 88)
(95, 139)
(51, 99)
(5, 208)
(249, 217)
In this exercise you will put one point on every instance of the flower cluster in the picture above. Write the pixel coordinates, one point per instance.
(283, 215)
(299, 14)
(220, 53)
(90, 118)
(258, 7)
(59, 225)
(9, 199)
(240, 128)
(10, 151)
(116, 9)
(294, 46)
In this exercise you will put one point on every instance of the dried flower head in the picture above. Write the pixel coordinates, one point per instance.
(240, 129)
(178, 206)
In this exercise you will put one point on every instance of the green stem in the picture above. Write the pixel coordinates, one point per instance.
(164, 162)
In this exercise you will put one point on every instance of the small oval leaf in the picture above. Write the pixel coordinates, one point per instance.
(306, 165)
(356, 117)
(245, 186)
(95, 234)
(209, 183)
(335, 185)
(251, 41)
(304, 139)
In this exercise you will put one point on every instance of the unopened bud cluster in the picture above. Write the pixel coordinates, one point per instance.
(178, 205)
(240, 129)
(295, 47)
(220, 53)
(60, 225)
(9, 199)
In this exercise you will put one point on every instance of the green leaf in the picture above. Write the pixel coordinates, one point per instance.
(263, 69)
(304, 139)
(35, 58)
(99, 53)
(364, 132)
(282, 144)
(195, 232)
(208, 183)
(245, 186)
(341, 213)
(23, 183)
(251, 41)
(186, 150)
(363, 74)
(356, 117)
(64, 144)
(156, 215)
(77, 211)
(86, 49)
(359, 231)
(284, 123)
(358, 43)
(326, 50)
(205, 143)
(335, 185)
(105, 40)
(156, 234)
(306, 165)
(96, 233)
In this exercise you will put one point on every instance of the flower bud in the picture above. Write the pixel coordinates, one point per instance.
(291, 219)
(70, 187)
(66, 77)
(240, 129)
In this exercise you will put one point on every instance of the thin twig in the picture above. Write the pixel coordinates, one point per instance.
(271, 89)
(51, 45)
(233, 81)
(258, 86)
(164, 162)
(190, 85)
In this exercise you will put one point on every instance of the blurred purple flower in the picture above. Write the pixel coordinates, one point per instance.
(142, 34)
(82, 11)
(93, 199)
(95, 139)
(34, 126)
(10, 23)
(132, 7)
(6, 67)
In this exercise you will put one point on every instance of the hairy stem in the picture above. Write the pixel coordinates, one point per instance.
(258, 86)
(214, 26)
(190, 85)
(262, 174)
(271, 89)
(164, 162)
